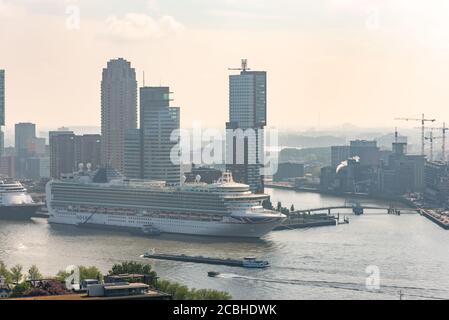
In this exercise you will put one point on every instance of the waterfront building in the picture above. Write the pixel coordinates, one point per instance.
(367, 151)
(118, 110)
(133, 154)
(157, 122)
(247, 110)
(437, 183)
(404, 173)
(38, 168)
(88, 150)
(68, 151)
(25, 133)
(338, 155)
(62, 152)
(289, 170)
(205, 174)
(7, 166)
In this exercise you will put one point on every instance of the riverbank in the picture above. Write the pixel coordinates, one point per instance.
(440, 218)
(362, 196)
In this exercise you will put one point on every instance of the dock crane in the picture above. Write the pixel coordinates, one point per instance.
(243, 68)
(423, 123)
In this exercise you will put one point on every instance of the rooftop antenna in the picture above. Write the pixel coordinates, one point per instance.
(244, 66)
(396, 135)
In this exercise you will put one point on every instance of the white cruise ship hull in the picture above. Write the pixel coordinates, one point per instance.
(166, 225)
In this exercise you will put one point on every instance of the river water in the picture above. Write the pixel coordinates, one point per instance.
(375, 256)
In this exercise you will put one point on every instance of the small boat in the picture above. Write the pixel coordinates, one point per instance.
(213, 274)
(251, 262)
(150, 230)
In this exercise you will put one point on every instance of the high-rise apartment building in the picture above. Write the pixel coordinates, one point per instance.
(118, 110)
(133, 154)
(157, 122)
(25, 133)
(247, 113)
(68, 151)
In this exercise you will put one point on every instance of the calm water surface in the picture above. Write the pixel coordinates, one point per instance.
(411, 252)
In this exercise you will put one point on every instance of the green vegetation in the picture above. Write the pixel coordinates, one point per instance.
(132, 267)
(85, 273)
(21, 288)
(34, 274)
(181, 292)
(16, 274)
(177, 290)
(5, 273)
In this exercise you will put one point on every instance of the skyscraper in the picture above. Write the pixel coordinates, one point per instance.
(62, 153)
(118, 110)
(157, 122)
(25, 133)
(133, 154)
(247, 112)
(68, 150)
(2, 109)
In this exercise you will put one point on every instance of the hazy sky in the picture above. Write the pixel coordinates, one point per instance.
(328, 61)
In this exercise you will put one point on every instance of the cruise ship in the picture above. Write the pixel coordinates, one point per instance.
(104, 198)
(15, 202)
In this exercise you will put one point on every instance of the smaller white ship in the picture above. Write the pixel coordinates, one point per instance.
(15, 202)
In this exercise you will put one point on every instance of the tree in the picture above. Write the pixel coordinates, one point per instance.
(132, 267)
(181, 292)
(20, 289)
(62, 275)
(209, 294)
(292, 208)
(90, 273)
(4, 272)
(34, 274)
(16, 273)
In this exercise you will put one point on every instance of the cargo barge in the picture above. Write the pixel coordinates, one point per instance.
(248, 262)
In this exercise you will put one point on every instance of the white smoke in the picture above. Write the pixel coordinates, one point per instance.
(344, 164)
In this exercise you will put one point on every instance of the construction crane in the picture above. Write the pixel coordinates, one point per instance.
(431, 138)
(443, 129)
(243, 68)
(423, 123)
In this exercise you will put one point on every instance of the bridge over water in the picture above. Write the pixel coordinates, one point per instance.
(356, 209)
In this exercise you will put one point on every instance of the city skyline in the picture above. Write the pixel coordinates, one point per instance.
(356, 57)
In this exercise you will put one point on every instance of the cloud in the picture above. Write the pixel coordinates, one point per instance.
(136, 26)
